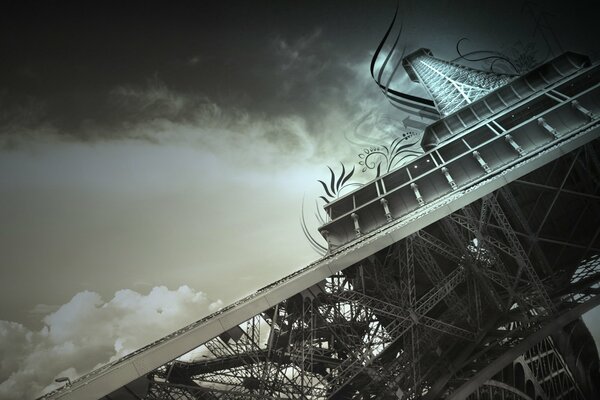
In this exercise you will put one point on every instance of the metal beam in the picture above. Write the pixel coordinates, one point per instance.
(554, 189)
(507, 357)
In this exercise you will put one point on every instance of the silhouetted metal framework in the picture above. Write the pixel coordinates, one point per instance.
(451, 85)
(462, 275)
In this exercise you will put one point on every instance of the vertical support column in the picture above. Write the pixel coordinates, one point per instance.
(449, 178)
(522, 258)
(576, 105)
(386, 209)
(534, 247)
(542, 122)
(415, 357)
(356, 224)
(410, 271)
(481, 161)
(461, 241)
(412, 302)
(514, 145)
(415, 189)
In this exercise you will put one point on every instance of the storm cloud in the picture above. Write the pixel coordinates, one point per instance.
(147, 145)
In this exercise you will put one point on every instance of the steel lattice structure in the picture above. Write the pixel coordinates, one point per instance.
(460, 275)
(451, 85)
(454, 296)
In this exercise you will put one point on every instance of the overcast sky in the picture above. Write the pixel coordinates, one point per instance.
(158, 153)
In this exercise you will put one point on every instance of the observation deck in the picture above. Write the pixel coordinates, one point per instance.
(489, 143)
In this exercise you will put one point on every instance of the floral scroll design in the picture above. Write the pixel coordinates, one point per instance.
(517, 59)
(381, 159)
(385, 158)
(337, 183)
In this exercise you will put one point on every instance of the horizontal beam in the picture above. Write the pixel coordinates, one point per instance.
(556, 189)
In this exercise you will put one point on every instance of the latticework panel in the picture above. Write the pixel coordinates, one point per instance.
(424, 316)
(453, 86)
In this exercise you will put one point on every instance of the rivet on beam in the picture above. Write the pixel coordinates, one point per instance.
(449, 177)
(386, 209)
(576, 105)
(514, 145)
(356, 224)
(481, 162)
(415, 189)
(542, 122)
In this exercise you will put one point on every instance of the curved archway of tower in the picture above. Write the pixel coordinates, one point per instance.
(519, 377)
(530, 389)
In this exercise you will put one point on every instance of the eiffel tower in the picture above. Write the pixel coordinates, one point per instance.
(461, 275)
(452, 86)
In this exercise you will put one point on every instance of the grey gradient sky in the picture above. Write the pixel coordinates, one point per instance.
(171, 143)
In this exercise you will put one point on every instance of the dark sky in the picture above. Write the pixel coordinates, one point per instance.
(149, 145)
(63, 58)
(70, 55)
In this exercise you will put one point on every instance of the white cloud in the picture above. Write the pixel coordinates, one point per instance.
(160, 115)
(87, 332)
(43, 309)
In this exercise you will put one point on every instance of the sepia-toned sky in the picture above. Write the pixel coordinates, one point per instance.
(154, 156)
